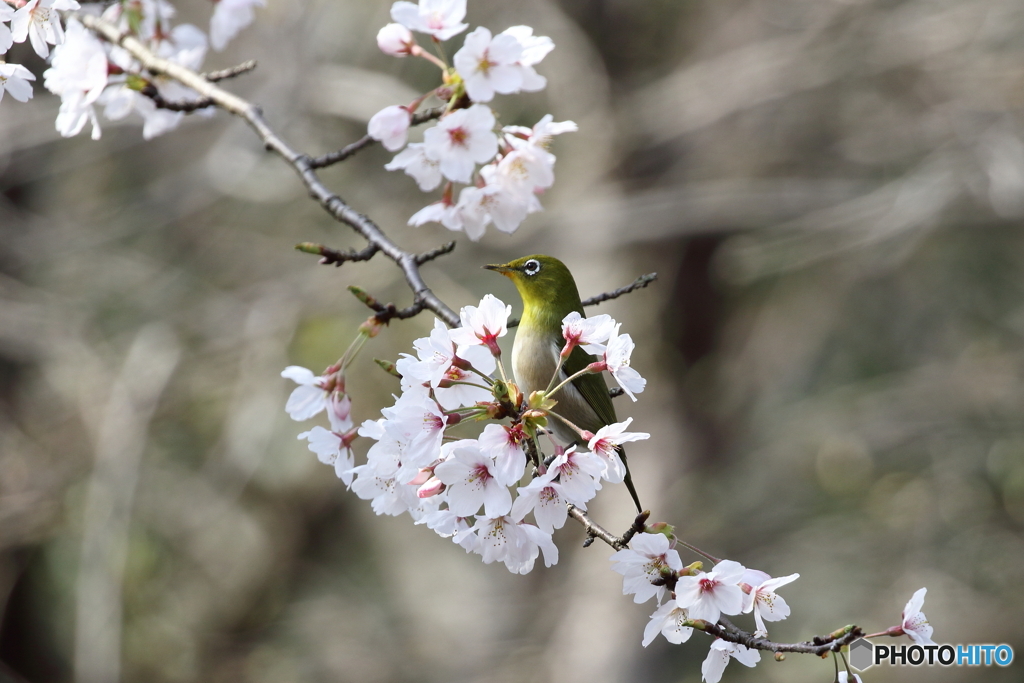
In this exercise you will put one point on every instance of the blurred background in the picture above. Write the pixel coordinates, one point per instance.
(832, 193)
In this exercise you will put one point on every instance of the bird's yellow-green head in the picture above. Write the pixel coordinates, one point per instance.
(546, 286)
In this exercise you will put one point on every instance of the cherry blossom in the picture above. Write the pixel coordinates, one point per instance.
(444, 212)
(590, 333)
(505, 445)
(377, 482)
(578, 473)
(517, 545)
(709, 595)
(542, 496)
(718, 658)
(391, 127)
(616, 357)
(535, 48)
(14, 79)
(331, 449)
(642, 563)
(230, 17)
(440, 18)
(846, 677)
(489, 65)
(310, 397)
(416, 422)
(438, 366)
(460, 140)
(493, 201)
(449, 525)
(185, 45)
(668, 620)
(395, 40)
(424, 169)
(762, 599)
(469, 475)
(38, 21)
(78, 74)
(604, 445)
(915, 623)
(482, 325)
(6, 39)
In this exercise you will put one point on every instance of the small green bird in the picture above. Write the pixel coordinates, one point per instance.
(549, 294)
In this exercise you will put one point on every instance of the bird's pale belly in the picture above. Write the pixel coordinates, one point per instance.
(533, 363)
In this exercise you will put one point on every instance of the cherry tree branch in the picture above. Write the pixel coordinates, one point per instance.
(423, 298)
(365, 141)
(330, 201)
(638, 283)
(230, 72)
(819, 645)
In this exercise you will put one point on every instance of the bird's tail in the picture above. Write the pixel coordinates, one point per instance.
(628, 480)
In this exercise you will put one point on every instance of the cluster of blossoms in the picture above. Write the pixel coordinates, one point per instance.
(88, 73)
(471, 487)
(651, 568)
(514, 162)
(476, 489)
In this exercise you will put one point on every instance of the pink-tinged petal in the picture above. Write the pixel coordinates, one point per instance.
(298, 374)
(407, 14)
(504, 49)
(729, 571)
(305, 402)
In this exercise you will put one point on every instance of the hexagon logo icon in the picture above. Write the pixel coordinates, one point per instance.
(862, 654)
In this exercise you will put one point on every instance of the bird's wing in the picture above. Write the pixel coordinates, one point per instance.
(592, 387)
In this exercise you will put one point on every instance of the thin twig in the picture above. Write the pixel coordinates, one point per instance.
(334, 256)
(819, 645)
(152, 93)
(365, 141)
(231, 72)
(638, 283)
(434, 253)
(330, 201)
(595, 530)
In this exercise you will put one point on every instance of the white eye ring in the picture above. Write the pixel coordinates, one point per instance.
(531, 267)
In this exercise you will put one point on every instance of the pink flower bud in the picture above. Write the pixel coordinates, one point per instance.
(395, 40)
(421, 477)
(391, 126)
(340, 406)
(432, 487)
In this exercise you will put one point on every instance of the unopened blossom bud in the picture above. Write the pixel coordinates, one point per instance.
(391, 126)
(371, 328)
(388, 367)
(532, 419)
(340, 407)
(692, 569)
(662, 528)
(421, 477)
(453, 419)
(395, 40)
(539, 401)
(500, 390)
(495, 411)
(432, 487)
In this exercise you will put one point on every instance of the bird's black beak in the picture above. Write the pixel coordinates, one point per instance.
(500, 268)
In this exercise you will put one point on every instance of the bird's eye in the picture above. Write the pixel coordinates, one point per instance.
(531, 267)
